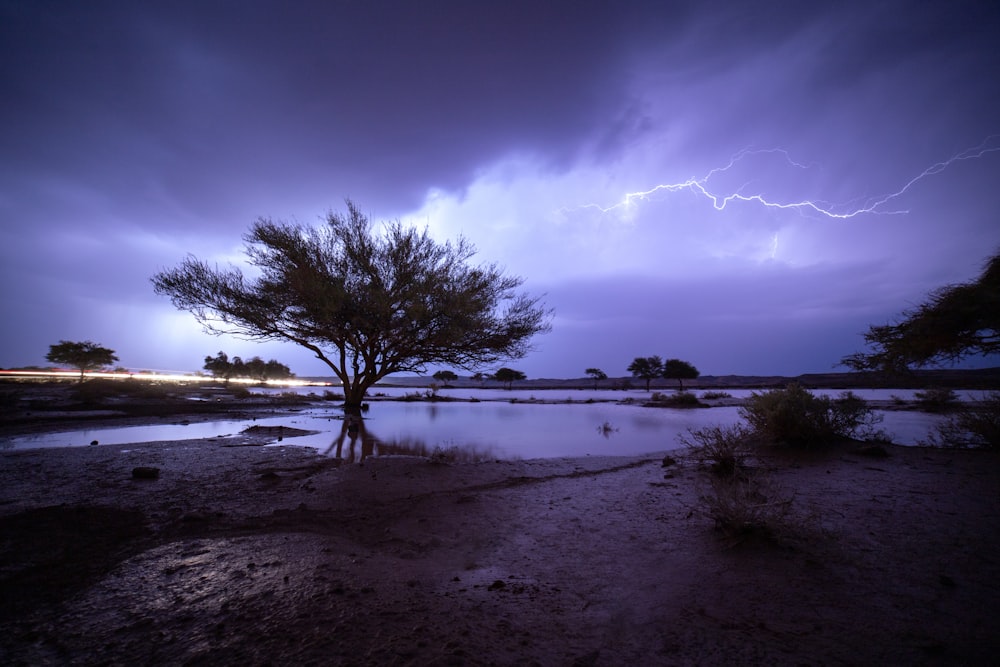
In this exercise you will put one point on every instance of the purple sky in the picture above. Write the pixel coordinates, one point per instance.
(134, 133)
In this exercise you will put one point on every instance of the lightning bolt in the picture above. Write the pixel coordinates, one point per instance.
(873, 205)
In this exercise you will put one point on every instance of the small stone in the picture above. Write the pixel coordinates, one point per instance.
(145, 472)
(94, 442)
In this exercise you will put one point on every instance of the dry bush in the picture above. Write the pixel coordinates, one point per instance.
(975, 425)
(724, 448)
(747, 505)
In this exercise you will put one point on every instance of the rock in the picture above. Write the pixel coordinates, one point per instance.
(94, 442)
(669, 461)
(145, 472)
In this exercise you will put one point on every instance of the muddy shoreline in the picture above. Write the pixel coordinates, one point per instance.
(250, 554)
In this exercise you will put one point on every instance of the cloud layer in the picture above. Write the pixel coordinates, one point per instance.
(589, 147)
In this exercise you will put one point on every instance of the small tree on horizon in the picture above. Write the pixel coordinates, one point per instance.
(508, 376)
(445, 376)
(597, 374)
(646, 368)
(676, 369)
(85, 355)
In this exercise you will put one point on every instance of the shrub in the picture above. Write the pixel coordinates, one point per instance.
(744, 506)
(975, 425)
(936, 399)
(711, 395)
(726, 448)
(681, 399)
(794, 416)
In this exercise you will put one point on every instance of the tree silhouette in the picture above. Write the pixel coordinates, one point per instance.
(646, 368)
(675, 369)
(85, 355)
(597, 374)
(955, 322)
(364, 303)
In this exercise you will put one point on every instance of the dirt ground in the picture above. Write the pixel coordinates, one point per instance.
(245, 554)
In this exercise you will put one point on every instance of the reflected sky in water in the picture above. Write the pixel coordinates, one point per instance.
(490, 429)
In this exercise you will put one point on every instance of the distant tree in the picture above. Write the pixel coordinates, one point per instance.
(274, 370)
(365, 303)
(597, 374)
(256, 368)
(955, 322)
(508, 376)
(86, 355)
(646, 368)
(219, 366)
(445, 376)
(480, 377)
(675, 369)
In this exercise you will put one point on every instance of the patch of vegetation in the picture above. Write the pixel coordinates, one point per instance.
(712, 395)
(975, 425)
(936, 399)
(745, 507)
(98, 390)
(724, 448)
(797, 418)
(680, 399)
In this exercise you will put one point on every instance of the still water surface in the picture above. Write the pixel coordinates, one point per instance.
(491, 429)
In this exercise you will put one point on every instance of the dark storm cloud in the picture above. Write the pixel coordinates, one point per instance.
(134, 133)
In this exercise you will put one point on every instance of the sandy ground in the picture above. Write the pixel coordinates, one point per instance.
(257, 555)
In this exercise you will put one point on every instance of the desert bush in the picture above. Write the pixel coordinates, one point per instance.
(975, 425)
(794, 416)
(332, 395)
(239, 392)
(936, 399)
(710, 395)
(681, 399)
(99, 389)
(724, 448)
(746, 506)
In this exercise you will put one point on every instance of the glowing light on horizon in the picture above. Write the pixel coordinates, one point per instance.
(873, 205)
(160, 377)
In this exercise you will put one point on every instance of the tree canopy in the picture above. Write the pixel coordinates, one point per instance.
(85, 355)
(508, 376)
(367, 304)
(445, 376)
(221, 366)
(646, 368)
(955, 322)
(597, 374)
(676, 369)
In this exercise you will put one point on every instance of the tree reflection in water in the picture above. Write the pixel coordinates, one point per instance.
(360, 443)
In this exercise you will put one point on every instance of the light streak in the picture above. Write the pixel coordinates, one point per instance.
(873, 205)
(156, 377)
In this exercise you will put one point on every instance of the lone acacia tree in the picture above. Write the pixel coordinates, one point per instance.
(365, 303)
(955, 322)
(597, 374)
(508, 376)
(677, 369)
(86, 355)
(646, 368)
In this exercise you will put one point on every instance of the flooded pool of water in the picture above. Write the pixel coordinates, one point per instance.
(492, 429)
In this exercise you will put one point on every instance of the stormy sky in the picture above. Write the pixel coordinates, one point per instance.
(744, 185)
